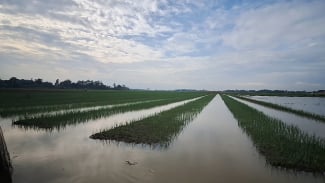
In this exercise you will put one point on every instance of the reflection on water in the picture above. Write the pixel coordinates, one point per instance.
(157, 130)
(60, 121)
(212, 148)
(86, 109)
(314, 105)
(16, 112)
(311, 127)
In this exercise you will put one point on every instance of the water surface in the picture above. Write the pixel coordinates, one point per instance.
(307, 125)
(212, 148)
(314, 105)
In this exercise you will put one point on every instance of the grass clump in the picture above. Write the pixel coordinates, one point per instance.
(158, 129)
(282, 145)
(58, 121)
(286, 109)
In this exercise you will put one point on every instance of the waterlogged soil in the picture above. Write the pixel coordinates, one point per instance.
(309, 126)
(212, 148)
(314, 105)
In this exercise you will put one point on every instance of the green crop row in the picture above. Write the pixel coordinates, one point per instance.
(282, 145)
(286, 109)
(26, 102)
(158, 129)
(50, 121)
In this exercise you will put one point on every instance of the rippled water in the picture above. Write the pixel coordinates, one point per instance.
(310, 104)
(212, 148)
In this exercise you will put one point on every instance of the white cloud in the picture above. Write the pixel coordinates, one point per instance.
(167, 44)
(284, 24)
(96, 29)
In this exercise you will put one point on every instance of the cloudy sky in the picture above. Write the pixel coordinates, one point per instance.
(166, 44)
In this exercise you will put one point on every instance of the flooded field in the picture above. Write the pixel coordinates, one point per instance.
(162, 91)
(209, 148)
(312, 127)
(314, 105)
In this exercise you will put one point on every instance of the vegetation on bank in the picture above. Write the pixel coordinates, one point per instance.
(286, 109)
(282, 145)
(26, 102)
(158, 129)
(265, 92)
(60, 120)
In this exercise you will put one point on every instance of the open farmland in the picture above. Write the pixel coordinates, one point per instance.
(152, 136)
(157, 129)
(279, 142)
(25, 102)
(162, 91)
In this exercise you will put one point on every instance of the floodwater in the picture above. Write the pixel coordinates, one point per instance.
(314, 105)
(309, 126)
(212, 148)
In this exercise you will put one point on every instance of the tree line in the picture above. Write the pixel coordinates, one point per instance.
(14, 82)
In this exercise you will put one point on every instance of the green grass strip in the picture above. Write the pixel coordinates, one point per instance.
(25, 111)
(286, 109)
(282, 145)
(26, 102)
(158, 129)
(61, 120)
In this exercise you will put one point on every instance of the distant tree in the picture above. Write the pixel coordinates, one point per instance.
(13, 82)
(121, 87)
(57, 82)
(66, 84)
(13, 79)
(38, 81)
(2, 83)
